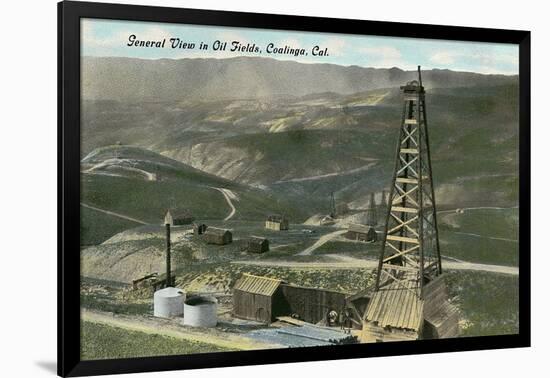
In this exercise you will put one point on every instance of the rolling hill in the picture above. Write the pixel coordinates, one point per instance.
(327, 142)
(142, 184)
(278, 147)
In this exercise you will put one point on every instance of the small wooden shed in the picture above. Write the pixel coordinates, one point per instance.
(255, 297)
(219, 236)
(276, 223)
(257, 245)
(361, 232)
(394, 313)
(178, 217)
(199, 228)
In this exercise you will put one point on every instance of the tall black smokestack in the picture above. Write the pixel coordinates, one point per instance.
(168, 278)
(372, 218)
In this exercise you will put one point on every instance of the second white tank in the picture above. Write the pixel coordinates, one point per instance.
(200, 311)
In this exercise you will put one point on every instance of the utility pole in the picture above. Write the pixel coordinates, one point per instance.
(168, 257)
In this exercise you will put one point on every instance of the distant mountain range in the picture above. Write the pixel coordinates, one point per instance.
(131, 79)
(290, 130)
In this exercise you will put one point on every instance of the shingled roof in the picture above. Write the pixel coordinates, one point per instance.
(180, 213)
(396, 306)
(257, 285)
(216, 231)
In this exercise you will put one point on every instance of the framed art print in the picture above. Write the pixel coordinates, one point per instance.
(242, 188)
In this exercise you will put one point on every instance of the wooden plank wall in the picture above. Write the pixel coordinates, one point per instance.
(442, 317)
(312, 305)
(252, 306)
(372, 333)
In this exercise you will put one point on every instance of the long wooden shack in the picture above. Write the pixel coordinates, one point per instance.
(178, 217)
(264, 299)
(219, 236)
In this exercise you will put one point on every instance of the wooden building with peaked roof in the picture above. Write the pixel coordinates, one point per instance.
(398, 312)
(257, 244)
(361, 232)
(178, 217)
(219, 236)
(276, 223)
(255, 297)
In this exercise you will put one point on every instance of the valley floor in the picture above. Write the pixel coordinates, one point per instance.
(480, 261)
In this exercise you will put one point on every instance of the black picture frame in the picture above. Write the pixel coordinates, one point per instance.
(69, 15)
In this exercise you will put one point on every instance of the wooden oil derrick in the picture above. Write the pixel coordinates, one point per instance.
(410, 254)
(410, 298)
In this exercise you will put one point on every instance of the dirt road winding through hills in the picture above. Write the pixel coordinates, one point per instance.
(228, 195)
(322, 240)
(122, 164)
(122, 216)
(327, 175)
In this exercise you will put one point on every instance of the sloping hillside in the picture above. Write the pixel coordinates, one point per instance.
(327, 142)
(141, 184)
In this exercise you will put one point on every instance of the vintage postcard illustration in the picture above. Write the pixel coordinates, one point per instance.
(246, 189)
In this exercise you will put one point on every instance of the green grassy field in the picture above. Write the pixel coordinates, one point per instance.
(488, 302)
(96, 227)
(481, 235)
(100, 341)
(302, 153)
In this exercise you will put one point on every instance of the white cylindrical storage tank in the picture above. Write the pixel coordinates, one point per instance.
(168, 302)
(201, 311)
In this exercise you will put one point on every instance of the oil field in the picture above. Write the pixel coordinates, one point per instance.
(255, 220)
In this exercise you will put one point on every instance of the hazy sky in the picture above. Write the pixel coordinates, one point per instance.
(110, 38)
